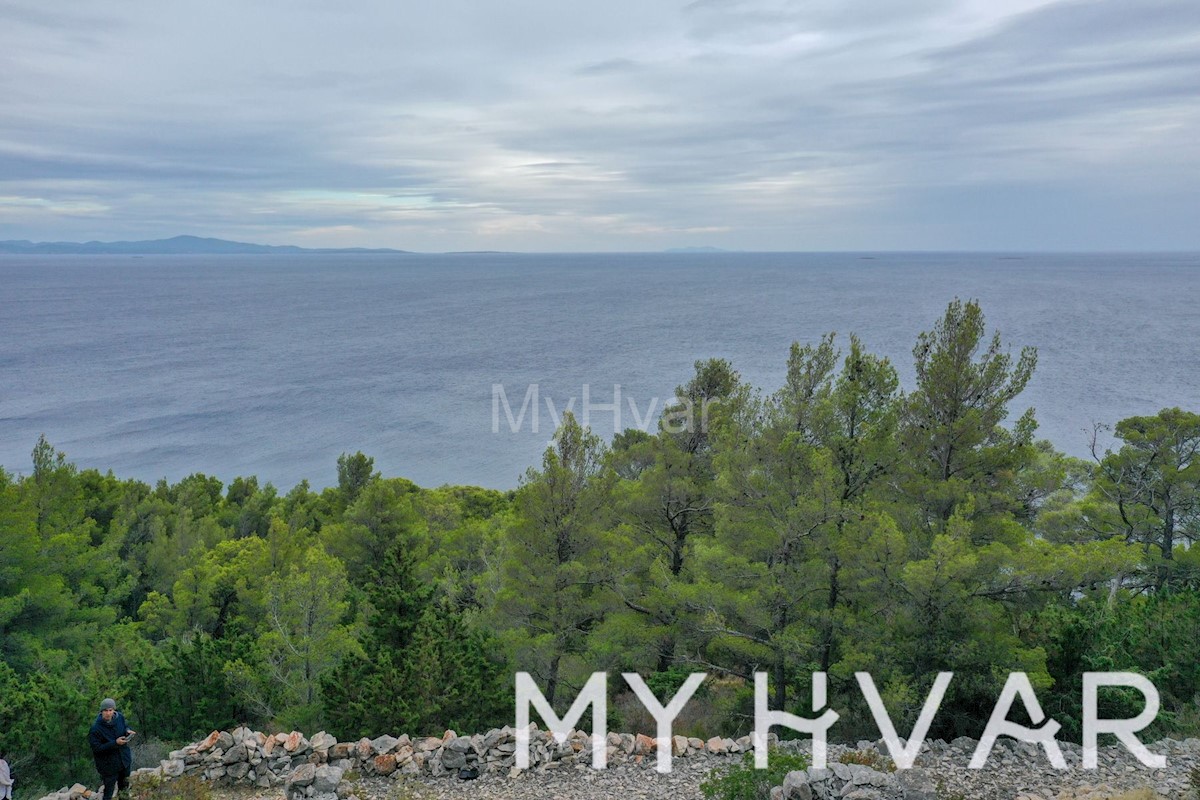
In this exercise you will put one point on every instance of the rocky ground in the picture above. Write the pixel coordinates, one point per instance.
(1015, 771)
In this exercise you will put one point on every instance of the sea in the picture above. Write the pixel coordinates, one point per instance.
(157, 367)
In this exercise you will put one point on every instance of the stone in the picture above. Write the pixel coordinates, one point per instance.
(679, 746)
(916, 784)
(302, 775)
(235, 754)
(795, 786)
(383, 744)
(323, 741)
(644, 744)
(237, 771)
(326, 779)
(385, 764)
(208, 742)
(364, 749)
(224, 740)
(294, 743)
(241, 734)
(172, 768)
(715, 745)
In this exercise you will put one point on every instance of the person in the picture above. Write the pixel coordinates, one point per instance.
(109, 739)
(6, 779)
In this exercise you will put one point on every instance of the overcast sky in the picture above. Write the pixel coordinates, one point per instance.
(554, 125)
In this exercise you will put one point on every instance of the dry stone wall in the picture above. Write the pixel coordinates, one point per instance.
(314, 767)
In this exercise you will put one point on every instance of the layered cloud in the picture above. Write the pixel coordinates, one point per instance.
(756, 124)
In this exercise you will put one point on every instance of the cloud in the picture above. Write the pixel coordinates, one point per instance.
(755, 124)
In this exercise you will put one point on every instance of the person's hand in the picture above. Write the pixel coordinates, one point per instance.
(121, 740)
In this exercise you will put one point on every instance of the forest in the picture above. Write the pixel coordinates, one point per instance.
(840, 522)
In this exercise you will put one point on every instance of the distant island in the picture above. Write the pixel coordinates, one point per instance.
(704, 249)
(177, 245)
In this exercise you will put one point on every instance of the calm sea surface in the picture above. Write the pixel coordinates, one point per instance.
(273, 365)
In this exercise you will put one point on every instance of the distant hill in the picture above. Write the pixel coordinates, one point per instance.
(178, 245)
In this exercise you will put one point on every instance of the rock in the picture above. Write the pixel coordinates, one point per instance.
(294, 743)
(383, 744)
(795, 786)
(643, 744)
(385, 764)
(224, 740)
(241, 734)
(208, 742)
(364, 749)
(302, 775)
(237, 771)
(915, 784)
(965, 744)
(235, 754)
(173, 767)
(679, 746)
(716, 745)
(323, 741)
(326, 779)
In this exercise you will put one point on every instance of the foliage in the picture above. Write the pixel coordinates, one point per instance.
(187, 787)
(744, 782)
(837, 523)
(867, 758)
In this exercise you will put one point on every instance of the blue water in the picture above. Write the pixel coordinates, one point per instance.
(273, 365)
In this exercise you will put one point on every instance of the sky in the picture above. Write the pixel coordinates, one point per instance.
(628, 125)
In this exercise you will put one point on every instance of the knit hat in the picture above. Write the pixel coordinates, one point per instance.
(107, 703)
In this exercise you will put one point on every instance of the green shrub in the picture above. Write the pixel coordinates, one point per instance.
(188, 787)
(867, 758)
(744, 782)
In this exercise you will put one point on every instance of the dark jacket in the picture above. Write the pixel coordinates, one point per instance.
(111, 758)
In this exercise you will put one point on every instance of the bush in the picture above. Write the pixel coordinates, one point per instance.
(868, 758)
(188, 787)
(744, 782)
